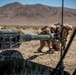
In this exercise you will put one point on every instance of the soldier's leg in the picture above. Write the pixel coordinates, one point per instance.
(56, 45)
(42, 44)
(49, 43)
(63, 44)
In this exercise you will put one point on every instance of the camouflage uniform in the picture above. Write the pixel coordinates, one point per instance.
(45, 30)
(56, 42)
(65, 34)
(64, 31)
(52, 43)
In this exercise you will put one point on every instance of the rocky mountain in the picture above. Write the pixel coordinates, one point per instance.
(34, 14)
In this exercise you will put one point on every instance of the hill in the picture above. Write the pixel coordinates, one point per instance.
(35, 14)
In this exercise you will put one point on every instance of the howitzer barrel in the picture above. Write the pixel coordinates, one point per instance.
(8, 31)
(28, 37)
(13, 39)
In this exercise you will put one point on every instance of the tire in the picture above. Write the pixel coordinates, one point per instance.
(11, 53)
(14, 66)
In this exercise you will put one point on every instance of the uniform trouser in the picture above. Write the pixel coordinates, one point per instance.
(43, 42)
(63, 44)
(56, 45)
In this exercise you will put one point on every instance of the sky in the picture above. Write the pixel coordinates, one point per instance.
(55, 3)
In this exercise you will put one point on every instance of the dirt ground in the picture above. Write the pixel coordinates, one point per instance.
(29, 49)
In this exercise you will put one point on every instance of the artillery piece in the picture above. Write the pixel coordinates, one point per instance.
(12, 62)
(13, 39)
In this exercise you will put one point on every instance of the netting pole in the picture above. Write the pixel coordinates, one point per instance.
(61, 67)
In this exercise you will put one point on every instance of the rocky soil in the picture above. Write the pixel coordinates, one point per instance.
(29, 49)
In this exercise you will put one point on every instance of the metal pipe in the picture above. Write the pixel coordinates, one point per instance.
(8, 31)
(28, 37)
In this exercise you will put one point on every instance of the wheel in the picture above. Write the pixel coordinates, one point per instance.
(13, 62)
(11, 53)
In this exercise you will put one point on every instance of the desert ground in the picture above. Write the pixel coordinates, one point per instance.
(29, 49)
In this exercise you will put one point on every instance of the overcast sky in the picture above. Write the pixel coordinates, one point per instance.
(67, 3)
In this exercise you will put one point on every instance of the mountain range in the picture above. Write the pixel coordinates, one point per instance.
(35, 14)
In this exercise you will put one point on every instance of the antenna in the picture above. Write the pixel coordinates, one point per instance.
(60, 64)
(61, 67)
